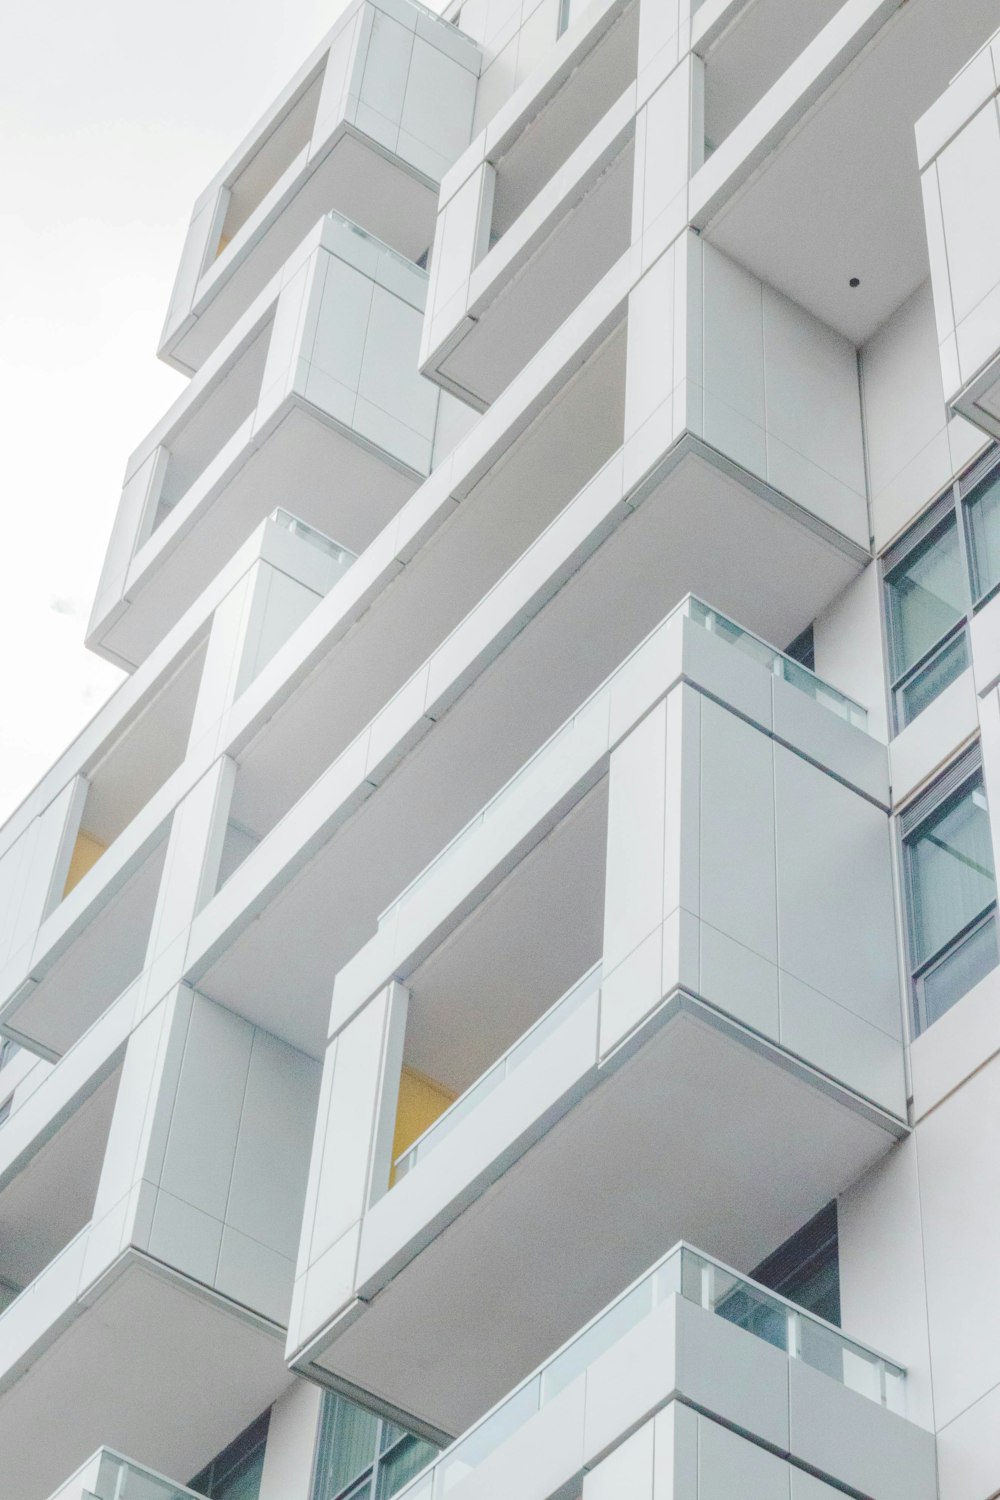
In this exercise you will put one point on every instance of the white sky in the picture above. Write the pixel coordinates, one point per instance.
(114, 114)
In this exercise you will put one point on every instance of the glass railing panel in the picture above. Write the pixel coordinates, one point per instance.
(776, 661)
(317, 539)
(714, 623)
(620, 1319)
(710, 1285)
(553, 1019)
(121, 1479)
(483, 1440)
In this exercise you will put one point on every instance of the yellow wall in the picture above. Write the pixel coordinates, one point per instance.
(421, 1100)
(86, 852)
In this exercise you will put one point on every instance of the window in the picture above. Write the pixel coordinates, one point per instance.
(568, 12)
(8, 1050)
(927, 599)
(803, 648)
(950, 889)
(362, 1456)
(235, 1473)
(5, 1108)
(944, 568)
(805, 1269)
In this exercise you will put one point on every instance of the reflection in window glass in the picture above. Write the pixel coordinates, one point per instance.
(362, 1456)
(951, 893)
(950, 864)
(235, 1473)
(983, 510)
(927, 596)
(932, 679)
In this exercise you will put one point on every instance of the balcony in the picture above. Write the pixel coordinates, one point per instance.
(108, 1476)
(92, 864)
(319, 377)
(472, 640)
(160, 1222)
(537, 210)
(802, 152)
(958, 142)
(693, 1331)
(366, 128)
(704, 999)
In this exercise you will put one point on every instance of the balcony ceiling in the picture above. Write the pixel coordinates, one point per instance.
(604, 1193)
(147, 1370)
(845, 187)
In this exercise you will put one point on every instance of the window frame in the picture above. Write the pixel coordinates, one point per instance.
(951, 506)
(948, 789)
(364, 1484)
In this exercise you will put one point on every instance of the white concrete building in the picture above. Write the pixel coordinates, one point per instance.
(504, 1000)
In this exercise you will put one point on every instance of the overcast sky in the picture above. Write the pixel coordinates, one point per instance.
(113, 116)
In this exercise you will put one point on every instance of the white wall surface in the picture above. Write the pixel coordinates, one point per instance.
(777, 905)
(291, 1443)
(752, 373)
(914, 449)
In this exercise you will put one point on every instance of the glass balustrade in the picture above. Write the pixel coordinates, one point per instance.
(716, 624)
(554, 1018)
(698, 1278)
(317, 539)
(109, 1476)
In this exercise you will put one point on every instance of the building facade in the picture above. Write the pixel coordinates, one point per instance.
(502, 999)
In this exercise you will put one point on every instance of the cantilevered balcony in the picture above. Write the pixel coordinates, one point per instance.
(537, 210)
(710, 829)
(367, 128)
(313, 402)
(108, 1476)
(693, 1333)
(958, 142)
(89, 866)
(151, 1192)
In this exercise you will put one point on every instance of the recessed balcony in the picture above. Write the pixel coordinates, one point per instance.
(695, 1332)
(112, 820)
(366, 128)
(318, 379)
(803, 152)
(722, 1016)
(958, 141)
(536, 211)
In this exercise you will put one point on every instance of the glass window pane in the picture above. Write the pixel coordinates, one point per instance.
(933, 678)
(928, 594)
(398, 1467)
(950, 868)
(983, 509)
(756, 1312)
(963, 967)
(347, 1445)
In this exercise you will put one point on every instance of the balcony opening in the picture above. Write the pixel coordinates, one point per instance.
(132, 769)
(271, 158)
(746, 57)
(494, 993)
(50, 1200)
(98, 961)
(550, 136)
(206, 428)
(566, 445)
(536, 288)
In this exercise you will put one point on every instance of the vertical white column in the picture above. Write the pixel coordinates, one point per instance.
(650, 901)
(351, 1157)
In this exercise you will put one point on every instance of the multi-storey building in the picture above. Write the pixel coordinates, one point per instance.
(502, 1000)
